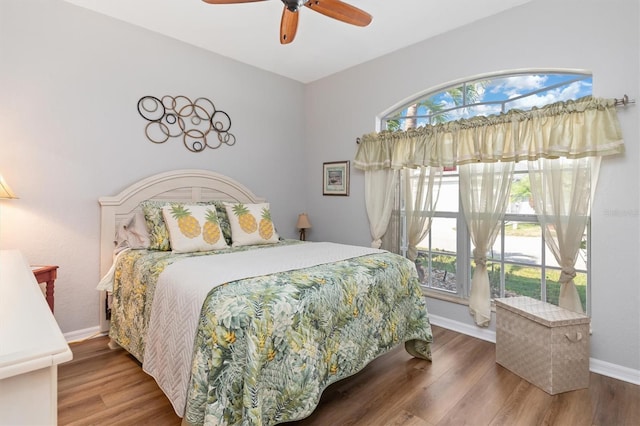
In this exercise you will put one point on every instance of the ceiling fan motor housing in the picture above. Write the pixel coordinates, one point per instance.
(293, 5)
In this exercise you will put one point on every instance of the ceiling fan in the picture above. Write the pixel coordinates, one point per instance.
(335, 9)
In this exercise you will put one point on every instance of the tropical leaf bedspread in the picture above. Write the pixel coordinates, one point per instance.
(266, 347)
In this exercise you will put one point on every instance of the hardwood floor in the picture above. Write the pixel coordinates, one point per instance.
(462, 386)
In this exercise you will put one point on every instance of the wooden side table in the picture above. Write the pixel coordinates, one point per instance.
(48, 275)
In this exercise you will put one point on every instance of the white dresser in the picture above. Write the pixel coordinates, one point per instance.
(31, 347)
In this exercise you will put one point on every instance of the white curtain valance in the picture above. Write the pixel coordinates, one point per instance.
(573, 129)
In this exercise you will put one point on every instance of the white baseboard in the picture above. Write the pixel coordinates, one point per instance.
(595, 365)
(614, 371)
(80, 335)
(460, 327)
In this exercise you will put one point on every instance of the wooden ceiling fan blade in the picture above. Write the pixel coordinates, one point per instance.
(229, 1)
(341, 11)
(288, 26)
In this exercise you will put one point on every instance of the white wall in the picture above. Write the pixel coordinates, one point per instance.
(595, 35)
(70, 132)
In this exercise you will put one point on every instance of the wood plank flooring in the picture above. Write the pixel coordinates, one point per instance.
(462, 386)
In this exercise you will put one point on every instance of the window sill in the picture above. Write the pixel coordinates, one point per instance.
(444, 296)
(450, 298)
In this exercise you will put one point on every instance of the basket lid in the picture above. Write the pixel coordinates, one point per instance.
(541, 312)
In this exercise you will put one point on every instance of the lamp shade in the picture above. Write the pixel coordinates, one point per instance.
(5, 191)
(303, 221)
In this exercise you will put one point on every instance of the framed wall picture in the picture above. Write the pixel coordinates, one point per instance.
(335, 178)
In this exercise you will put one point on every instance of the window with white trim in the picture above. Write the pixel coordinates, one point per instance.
(519, 263)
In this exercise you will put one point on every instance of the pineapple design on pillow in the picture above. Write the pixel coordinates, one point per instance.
(251, 223)
(247, 220)
(266, 225)
(189, 225)
(211, 232)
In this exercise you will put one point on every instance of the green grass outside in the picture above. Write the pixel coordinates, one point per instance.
(519, 280)
(523, 230)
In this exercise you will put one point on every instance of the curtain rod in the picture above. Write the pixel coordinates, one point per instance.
(624, 101)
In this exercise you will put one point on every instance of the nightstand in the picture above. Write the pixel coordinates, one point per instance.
(48, 275)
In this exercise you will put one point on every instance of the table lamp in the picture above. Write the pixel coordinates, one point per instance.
(5, 190)
(303, 224)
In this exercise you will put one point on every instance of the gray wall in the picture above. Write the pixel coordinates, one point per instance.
(70, 133)
(595, 35)
(70, 80)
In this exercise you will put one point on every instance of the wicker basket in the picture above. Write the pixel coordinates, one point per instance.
(544, 344)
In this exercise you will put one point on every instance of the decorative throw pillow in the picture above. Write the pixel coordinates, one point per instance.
(132, 233)
(193, 228)
(158, 232)
(251, 224)
(223, 221)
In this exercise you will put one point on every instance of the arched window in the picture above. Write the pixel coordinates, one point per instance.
(519, 263)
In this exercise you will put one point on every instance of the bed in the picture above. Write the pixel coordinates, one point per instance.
(250, 332)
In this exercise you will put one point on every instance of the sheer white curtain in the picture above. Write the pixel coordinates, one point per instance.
(484, 190)
(421, 191)
(391, 238)
(379, 187)
(562, 191)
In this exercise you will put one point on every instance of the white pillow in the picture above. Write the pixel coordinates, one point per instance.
(251, 224)
(193, 228)
(132, 233)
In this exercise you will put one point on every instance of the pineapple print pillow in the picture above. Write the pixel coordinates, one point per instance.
(193, 227)
(158, 232)
(251, 224)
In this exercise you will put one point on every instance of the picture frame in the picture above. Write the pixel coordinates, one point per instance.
(335, 178)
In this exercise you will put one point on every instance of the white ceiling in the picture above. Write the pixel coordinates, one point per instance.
(249, 32)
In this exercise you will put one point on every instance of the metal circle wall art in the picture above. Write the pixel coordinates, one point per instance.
(177, 116)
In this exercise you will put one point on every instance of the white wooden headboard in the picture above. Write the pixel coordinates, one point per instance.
(177, 185)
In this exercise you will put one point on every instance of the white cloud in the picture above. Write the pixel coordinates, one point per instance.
(571, 91)
(518, 84)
